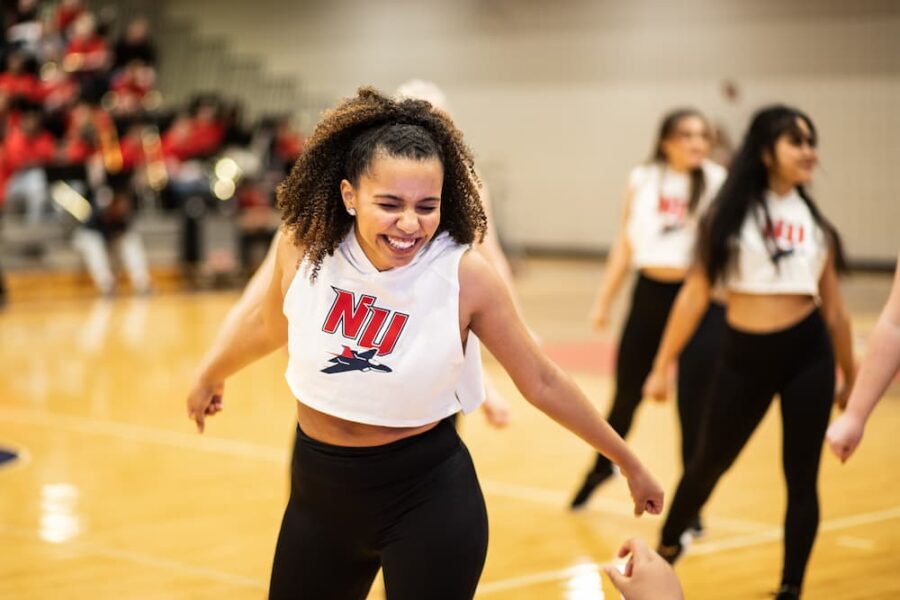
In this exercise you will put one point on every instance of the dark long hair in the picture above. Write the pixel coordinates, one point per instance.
(745, 189)
(667, 129)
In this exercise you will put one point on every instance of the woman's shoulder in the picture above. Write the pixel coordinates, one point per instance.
(478, 281)
(714, 172)
(288, 255)
(641, 174)
(288, 248)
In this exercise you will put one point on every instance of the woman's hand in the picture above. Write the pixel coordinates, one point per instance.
(495, 407)
(204, 399)
(646, 575)
(646, 493)
(600, 316)
(844, 435)
(657, 385)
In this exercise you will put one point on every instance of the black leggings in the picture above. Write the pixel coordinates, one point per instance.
(797, 364)
(650, 306)
(413, 507)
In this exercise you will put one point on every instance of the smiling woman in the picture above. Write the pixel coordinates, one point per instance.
(765, 241)
(397, 201)
(379, 298)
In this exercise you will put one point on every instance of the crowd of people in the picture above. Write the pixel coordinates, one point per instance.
(85, 131)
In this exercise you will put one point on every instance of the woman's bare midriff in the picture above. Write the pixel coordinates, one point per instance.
(759, 313)
(340, 432)
(664, 274)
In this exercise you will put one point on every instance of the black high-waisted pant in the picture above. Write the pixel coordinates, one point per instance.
(650, 306)
(797, 364)
(413, 507)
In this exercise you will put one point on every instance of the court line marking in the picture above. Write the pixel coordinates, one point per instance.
(856, 543)
(560, 499)
(505, 585)
(140, 433)
(698, 549)
(776, 534)
(146, 560)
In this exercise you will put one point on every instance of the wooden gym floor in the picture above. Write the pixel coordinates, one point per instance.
(115, 496)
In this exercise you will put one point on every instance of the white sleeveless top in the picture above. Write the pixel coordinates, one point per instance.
(382, 348)
(661, 231)
(802, 250)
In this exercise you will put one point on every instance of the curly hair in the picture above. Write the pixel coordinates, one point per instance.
(343, 146)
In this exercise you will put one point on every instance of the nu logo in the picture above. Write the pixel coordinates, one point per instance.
(371, 326)
(790, 232)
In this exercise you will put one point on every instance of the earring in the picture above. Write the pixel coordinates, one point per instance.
(351, 212)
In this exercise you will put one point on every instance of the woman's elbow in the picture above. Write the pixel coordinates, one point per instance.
(541, 389)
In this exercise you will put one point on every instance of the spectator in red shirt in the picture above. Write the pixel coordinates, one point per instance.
(287, 145)
(27, 150)
(18, 80)
(87, 56)
(129, 87)
(80, 141)
(67, 13)
(199, 136)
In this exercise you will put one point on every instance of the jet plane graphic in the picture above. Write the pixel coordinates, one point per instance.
(351, 360)
(672, 227)
(782, 253)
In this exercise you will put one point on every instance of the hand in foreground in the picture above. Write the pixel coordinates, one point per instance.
(646, 493)
(844, 435)
(204, 399)
(647, 576)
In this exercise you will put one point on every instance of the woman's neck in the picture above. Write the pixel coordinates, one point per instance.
(780, 187)
(675, 168)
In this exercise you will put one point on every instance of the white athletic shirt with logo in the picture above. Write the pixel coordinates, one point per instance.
(799, 243)
(382, 348)
(661, 231)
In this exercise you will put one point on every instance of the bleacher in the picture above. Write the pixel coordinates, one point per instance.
(190, 69)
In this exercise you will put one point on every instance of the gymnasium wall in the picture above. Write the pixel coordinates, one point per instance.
(559, 99)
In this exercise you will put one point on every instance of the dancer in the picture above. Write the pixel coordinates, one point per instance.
(778, 257)
(379, 301)
(664, 200)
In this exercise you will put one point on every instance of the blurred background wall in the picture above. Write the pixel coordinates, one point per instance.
(560, 99)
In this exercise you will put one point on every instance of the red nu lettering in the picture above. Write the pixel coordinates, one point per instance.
(391, 334)
(788, 232)
(672, 206)
(347, 313)
(351, 315)
(777, 229)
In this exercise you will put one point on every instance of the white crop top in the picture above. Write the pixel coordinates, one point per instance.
(382, 348)
(800, 247)
(661, 231)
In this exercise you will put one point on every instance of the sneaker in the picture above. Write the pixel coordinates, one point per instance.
(696, 529)
(787, 592)
(672, 553)
(591, 481)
